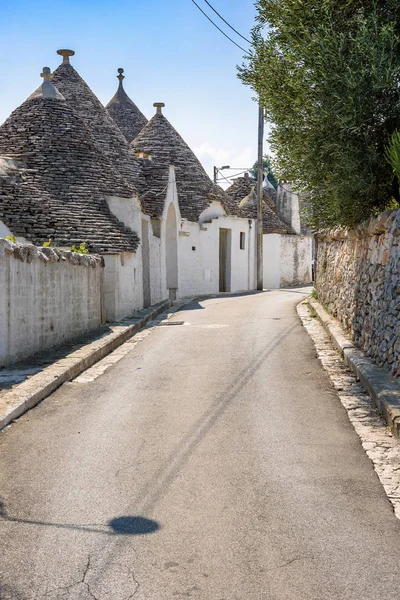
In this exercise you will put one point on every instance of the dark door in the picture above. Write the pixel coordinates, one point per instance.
(223, 259)
(146, 263)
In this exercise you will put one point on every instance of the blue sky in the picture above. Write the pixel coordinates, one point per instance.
(170, 54)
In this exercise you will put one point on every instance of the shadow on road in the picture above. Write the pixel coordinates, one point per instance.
(129, 525)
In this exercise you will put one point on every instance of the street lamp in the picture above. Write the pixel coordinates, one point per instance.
(217, 169)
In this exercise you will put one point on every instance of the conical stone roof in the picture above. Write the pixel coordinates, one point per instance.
(56, 179)
(196, 191)
(243, 195)
(125, 113)
(105, 131)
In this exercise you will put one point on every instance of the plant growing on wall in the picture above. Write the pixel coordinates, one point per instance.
(81, 249)
(47, 244)
(392, 153)
(327, 73)
(11, 238)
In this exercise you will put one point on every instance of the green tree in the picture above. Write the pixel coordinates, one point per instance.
(266, 165)
(328, 73)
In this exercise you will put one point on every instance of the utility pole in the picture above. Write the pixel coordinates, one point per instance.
(259, 199)
(217, 170)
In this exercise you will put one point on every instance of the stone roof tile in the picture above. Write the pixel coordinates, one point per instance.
(125, 113)
(166, 147)
(242, 193)
(55, 178)
(105, 131)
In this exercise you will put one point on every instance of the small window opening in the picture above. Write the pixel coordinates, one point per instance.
(194, 248)
(242, 240)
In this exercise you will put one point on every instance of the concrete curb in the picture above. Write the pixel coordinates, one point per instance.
(32, 391)
(382, 387)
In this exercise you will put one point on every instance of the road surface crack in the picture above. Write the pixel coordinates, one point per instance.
(85, 574)
(291, 561)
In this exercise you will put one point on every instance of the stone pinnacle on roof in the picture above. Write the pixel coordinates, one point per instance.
(159, 106)
(66, 54)
(62, 179)
(120, 76)
(106, 132)
(47, 89)
(124, 112)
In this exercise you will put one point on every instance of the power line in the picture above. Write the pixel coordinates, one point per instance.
(222, 18)
(232, 179)
(219, 29)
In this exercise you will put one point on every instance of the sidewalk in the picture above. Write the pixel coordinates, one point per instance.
(379, 384)
(26, 384)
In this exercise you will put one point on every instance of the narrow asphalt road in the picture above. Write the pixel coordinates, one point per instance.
(214, 461)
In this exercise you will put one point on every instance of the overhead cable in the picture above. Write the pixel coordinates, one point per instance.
(222, 19)
(219, 29)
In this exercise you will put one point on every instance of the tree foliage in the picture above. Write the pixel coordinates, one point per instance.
(328, 74)
(266, 165)
(392, 153)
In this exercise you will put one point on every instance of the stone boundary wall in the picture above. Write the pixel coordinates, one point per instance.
(358, 281)
(47, 296)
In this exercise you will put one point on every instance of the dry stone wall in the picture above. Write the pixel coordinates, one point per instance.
(47, 297)
(358, 280)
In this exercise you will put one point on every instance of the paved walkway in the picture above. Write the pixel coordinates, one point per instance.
(213, 461)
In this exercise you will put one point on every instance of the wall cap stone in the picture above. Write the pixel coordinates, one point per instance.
(30, 252)
(386, 222)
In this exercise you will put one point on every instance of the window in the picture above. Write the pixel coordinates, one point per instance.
(194, 248)
(242, 240)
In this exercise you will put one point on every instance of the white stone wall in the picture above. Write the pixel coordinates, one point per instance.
(287, 260)
(123, 289)
(271, 260)
(295, 260)
(124, 273)
(288, 205)
(157, 269)
(46, 298)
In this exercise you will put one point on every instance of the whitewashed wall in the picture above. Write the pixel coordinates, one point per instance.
(157, 266)
(123, 289)
(296, 257)
(271, 260)
(199, 268)
(288, 205)
(287, 260)
(45, 300)
(124, 273)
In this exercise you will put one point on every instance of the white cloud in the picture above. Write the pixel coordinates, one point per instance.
(210, 156)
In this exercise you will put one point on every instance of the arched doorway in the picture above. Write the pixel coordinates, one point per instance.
(171, 253)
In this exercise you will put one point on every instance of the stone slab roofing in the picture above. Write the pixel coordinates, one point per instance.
(105, 131)
(125, 113)
(242, 193)
(166, 147)
(55, 178)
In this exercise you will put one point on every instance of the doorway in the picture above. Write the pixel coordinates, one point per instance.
(224, 260)
(171, 253)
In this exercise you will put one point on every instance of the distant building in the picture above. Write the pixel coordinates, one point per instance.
(287, 252)
(72, 171)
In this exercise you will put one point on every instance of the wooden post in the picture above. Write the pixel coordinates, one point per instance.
(259, 199)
